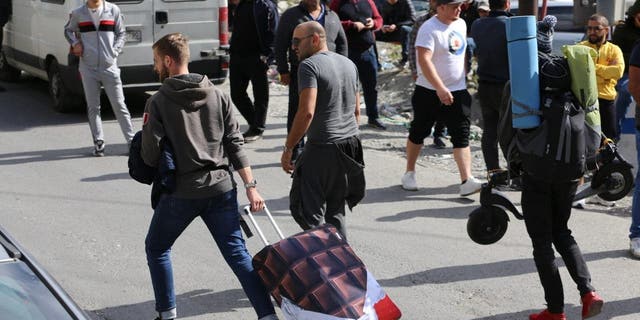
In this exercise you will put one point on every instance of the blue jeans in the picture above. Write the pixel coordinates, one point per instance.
(367, 66)
(220, 213)
(622, 102)
(634, 230)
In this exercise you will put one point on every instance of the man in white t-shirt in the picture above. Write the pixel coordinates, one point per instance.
(441, 92)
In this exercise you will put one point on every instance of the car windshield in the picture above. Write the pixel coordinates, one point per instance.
(24, 296)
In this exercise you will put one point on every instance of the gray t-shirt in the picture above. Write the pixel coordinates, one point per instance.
(336, 79)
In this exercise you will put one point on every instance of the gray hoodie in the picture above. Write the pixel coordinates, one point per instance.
(198, 121)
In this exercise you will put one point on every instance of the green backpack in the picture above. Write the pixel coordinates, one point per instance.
(585, 88)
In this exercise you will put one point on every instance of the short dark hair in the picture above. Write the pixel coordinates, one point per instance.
(497, 4)
(599, 19)
(174, 45)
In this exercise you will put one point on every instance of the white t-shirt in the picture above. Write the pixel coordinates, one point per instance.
(96, 14)
(448, 44)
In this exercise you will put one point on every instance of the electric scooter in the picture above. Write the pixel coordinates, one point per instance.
(612, 180)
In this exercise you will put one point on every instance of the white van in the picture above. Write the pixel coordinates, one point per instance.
(34, 42)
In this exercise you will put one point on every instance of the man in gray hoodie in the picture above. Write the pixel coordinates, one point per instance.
(96, 34)
(198, 120)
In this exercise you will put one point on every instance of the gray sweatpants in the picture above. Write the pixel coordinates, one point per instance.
(92, 80)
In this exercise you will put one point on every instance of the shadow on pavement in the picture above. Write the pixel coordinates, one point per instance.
(441, 213)
(113, 150)
(193, 303)
(395, 193)
(498, 269)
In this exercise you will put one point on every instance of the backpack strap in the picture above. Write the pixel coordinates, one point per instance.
(529, 110)
(564, 140)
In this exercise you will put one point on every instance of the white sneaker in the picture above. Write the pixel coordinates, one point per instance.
(580, 204)
(471, 186)
(409, 182)
(634, 247)
(597, 200)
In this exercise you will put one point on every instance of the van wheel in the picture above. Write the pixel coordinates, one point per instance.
(63, 99)
(7, 72)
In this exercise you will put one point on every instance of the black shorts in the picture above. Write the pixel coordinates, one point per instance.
(427, 109)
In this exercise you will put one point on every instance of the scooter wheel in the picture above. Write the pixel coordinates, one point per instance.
(618, 178)
(487, 225)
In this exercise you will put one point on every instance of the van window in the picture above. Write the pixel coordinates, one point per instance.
(54, 1)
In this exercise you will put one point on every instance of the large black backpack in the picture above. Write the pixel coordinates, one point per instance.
(555, 150)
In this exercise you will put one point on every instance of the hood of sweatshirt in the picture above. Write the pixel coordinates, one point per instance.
(189, 91)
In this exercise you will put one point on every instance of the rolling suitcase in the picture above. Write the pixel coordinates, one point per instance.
(315, 275)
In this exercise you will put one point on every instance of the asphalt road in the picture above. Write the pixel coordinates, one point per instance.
(85, 220)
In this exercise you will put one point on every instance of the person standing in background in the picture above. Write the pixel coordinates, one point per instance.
(251, 53)
(625, 36)
(286, 59)
(360, 19)
(398, 16)
(5, 13)
(489, 34)
(634, 89)
(609, 68)
(96, 34)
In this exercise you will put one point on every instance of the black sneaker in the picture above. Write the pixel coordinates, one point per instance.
(252, 135)
(98, 148)
(376, 123)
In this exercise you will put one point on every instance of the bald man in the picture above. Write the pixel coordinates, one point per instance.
(329, 172)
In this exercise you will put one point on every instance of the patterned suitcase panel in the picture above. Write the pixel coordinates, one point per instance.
(317, 270)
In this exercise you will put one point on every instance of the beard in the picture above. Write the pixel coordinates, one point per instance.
(162, 74)
(596, 40)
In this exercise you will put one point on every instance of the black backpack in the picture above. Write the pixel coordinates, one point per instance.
(555, 150)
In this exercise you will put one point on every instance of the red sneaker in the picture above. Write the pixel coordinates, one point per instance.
(546, 315)
(591, 305)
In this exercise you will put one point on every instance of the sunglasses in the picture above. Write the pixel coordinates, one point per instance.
(296, 41)
(598, 28)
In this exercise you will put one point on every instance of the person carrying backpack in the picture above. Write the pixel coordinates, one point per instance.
(553, 159)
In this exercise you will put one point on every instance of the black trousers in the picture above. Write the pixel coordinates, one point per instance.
(242, 70)
(547, 208)
(608, 118)
(490, 96)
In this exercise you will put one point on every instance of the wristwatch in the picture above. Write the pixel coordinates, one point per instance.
(286, 149)
(250, 184)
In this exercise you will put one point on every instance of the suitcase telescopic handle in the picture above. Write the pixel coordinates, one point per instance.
(247, 211)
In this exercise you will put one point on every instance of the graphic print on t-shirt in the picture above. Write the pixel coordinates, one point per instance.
(456, 43)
